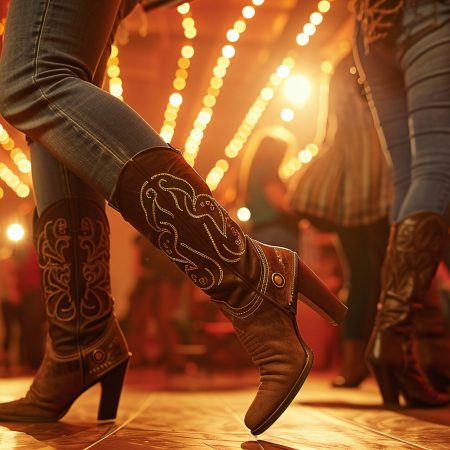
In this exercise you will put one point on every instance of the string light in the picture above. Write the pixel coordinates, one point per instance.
(307, 154)
(13, 181)
(20, 159)
(15, 232)
(323, 6)
(219, 71)
(252, 117)
(244, 214)
(113, 71)
(266, 95)
(287, 114)
(179, 83)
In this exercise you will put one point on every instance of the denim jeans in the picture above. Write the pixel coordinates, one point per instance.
(408, 87)
(54, 55)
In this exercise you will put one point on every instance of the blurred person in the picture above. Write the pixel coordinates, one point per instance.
(88, 146)
(403, 53)
(32, 313)
(10, 302)
(346, 189)
(272, 221)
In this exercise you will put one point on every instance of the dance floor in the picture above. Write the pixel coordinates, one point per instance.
(205, 411)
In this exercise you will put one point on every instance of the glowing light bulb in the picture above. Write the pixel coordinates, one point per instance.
(233, 35)
(283, 71)
(324, 6)
(326, 67)
(23, 191)
(176, 99)
(309, 29)
(188, 22)
(302, 39)
(248, 12)
(187, 52)
(287, 115)
(297, 89)
(244, 214)
(316, 18)
(228, 51)
(240, 26)
(183, 8)
(305, 156)
(15, 232)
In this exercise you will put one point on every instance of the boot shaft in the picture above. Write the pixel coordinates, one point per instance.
(415, 248)
(72, 241)
(166, 200)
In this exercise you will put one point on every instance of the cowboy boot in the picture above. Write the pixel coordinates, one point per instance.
(415, 247)
(255, 285)
(84, 343)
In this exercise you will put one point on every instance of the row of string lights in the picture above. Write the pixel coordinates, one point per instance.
(11, 177)
(295, 87)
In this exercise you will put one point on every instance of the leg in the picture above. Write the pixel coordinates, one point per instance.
(47, 88)
(420, 235)
(386, 95)
(161, 195)
(426, 68)
(85, 344)
(361, 247)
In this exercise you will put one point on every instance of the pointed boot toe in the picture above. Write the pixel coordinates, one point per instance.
(267, 329)
(277, 390)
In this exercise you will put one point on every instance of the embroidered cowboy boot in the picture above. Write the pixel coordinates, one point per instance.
(255, 285)
(415, 247)
(85, 345)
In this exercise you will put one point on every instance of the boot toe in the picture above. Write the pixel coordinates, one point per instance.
(24, 411)
(276, 392)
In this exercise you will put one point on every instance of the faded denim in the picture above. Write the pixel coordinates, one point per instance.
(50, 64)
(408, 78)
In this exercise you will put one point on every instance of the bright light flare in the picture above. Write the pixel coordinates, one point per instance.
(324, 6)
(176, 99)
(183, 8)
(248, 12)
(15, 232)
(287, 115)
(297, 89)
(244, 214)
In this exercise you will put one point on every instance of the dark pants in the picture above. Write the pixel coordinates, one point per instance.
(364, 248)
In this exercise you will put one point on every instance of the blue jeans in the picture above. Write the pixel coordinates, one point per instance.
(408, 87)
(54, 57)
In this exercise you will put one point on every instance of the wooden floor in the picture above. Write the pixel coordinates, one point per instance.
(206, 412)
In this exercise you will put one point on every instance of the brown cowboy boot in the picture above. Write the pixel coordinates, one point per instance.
(415, 247)
(84, 345)
(255, 285)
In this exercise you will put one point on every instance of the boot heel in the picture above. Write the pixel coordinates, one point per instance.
(112, 384)
(388, 384)
(317, 296)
